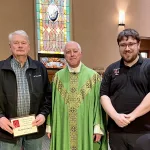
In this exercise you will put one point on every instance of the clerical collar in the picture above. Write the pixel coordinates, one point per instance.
(75, 70)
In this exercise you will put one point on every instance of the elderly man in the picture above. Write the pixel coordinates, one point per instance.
(24, 91)
(76, 113)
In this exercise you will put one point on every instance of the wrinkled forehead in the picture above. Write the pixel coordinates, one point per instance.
(71, 46)
(17, 37)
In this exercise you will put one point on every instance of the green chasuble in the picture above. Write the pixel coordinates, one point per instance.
(76, 110)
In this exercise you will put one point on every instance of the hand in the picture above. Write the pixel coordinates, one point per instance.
(39, 120)
(49, 135)
(121, 120)
(131, 117)
(6, 125)
(97, 137)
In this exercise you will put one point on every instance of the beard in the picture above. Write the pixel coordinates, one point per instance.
(129, 58)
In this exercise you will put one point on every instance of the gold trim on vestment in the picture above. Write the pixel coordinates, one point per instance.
(73, 99)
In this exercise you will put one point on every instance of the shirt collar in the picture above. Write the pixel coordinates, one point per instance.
(14, 61)
(75, 70)
(140, 61)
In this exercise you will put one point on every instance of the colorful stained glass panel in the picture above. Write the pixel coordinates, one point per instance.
(52, 36)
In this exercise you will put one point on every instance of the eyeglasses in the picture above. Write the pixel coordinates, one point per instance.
(123, 45)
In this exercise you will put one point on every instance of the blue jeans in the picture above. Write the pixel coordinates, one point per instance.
(32, 144)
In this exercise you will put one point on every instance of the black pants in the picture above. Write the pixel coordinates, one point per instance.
(127, 141)
(143, 142)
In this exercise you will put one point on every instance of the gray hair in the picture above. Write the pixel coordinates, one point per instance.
(78, 45)
(18, 32)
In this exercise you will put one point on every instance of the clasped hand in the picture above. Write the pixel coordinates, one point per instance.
(123, 120)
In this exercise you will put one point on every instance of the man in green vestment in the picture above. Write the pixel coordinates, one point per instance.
(76, 118)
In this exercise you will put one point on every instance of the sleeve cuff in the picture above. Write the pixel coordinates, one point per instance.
(48, 129)
(97, 129)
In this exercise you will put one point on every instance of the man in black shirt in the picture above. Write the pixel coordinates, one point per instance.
(125, 94)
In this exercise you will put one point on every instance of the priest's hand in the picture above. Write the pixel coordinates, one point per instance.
(6, 125)
(97, 137)
(39, 120)
(49, 135)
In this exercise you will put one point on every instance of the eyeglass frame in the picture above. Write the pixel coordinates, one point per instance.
(124, 46)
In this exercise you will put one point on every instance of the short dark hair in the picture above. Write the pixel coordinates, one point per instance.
(127, 33)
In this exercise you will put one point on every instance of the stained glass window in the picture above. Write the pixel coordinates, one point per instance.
(52, 36)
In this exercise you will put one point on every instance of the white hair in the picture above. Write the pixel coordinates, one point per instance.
(18, 32)
(73, 42)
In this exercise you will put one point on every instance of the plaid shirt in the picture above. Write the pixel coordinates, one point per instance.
(23, 98)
